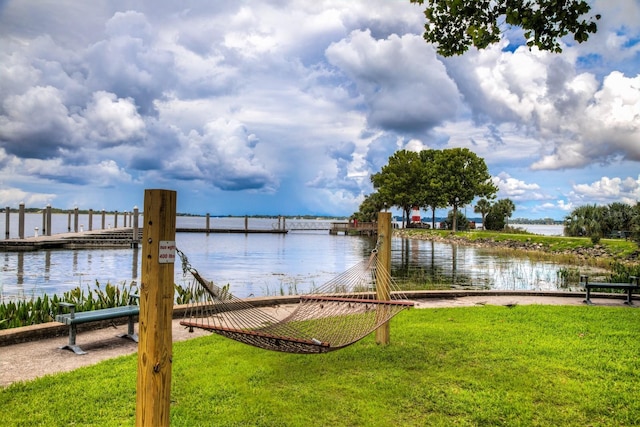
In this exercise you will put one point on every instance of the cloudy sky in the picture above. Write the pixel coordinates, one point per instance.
(288, 107)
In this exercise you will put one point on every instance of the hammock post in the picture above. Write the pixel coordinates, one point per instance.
(156, 309)
(383, 292)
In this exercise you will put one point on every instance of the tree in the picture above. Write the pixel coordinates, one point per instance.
(599, 221)
(497, 214)
(634, 223)
(504, 207)
(616, 217)
(399, 181)
(431, 196)
(369, 208)
(461, 221)
(455, 25)
(482, 207)
(463, 176)
(584, 221)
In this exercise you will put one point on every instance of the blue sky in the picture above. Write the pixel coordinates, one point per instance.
(288, 107)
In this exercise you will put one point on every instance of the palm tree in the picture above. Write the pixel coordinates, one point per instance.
(482, 207)
(584, 221)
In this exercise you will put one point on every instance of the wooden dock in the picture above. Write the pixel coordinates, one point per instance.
(110, 238)
(230, 230)
(102, 239)
(354, 228)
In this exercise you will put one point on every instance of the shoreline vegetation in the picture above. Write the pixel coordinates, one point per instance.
(570, 250)
(612, 260)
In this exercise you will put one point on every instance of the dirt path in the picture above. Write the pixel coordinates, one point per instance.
(30, 360)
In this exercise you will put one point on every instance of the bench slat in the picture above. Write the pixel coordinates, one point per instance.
(612, 285)
(103, 314)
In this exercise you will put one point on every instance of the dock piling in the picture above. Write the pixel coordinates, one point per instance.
(21, 220)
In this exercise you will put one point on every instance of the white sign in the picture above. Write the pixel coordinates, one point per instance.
(167, 251)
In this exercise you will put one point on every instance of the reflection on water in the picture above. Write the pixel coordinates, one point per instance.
(450, 266)
(272, 264)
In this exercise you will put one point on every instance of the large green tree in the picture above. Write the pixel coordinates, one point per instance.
(398, 183)
(455, 25)
(603, 221)
(463, 177)
(431, 197)
(585, 221)
(498, 213)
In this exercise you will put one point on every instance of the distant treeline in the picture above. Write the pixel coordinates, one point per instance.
(543, 221)
(310, 217)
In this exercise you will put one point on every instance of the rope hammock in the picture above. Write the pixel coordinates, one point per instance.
(339, 313)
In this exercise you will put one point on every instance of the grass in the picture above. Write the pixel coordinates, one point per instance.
(526, 365)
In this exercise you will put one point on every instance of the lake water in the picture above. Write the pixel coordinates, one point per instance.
(259, 264)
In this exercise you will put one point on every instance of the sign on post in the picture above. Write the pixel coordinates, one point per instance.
(167, 252)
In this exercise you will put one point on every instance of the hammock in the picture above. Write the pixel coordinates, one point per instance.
(339, 313)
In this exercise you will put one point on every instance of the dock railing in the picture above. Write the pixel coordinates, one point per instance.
(360, 228)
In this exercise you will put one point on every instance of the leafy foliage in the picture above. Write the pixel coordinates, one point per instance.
(369, 208)
(462, 223)
(433, 179)
(455, 25)
(398, 183)
(14, 314)
(614, 220)
(497, 214)
(482, 207)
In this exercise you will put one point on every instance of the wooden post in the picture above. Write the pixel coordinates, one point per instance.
(103, 218)
(75, 219)
(156, 309)
(7, 218)
(136, 230)
(383, 292)
(90, 219)
(21, 220)
(207, 223)
(246, 223)
(48, 220)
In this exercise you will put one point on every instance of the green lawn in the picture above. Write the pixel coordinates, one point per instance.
(520, 366)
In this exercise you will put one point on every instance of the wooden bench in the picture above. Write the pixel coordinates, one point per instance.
(73, 319)
(631, 286)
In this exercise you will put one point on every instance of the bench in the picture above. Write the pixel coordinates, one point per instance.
(631, 286)
(73, 319)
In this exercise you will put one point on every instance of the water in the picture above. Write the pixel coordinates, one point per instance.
(543, 229)
(257, 264)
